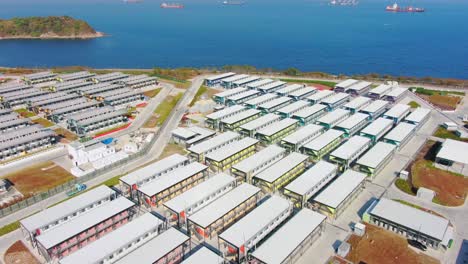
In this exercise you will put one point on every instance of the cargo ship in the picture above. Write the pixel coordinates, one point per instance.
(233, 2)
(171, 5)
(344, 2)
(409, 9)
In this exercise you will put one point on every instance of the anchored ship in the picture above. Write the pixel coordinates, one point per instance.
(344, 2)
(233, 2)
(171, 5)
(410, 9)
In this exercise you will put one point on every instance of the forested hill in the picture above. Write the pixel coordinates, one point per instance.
(46, 27)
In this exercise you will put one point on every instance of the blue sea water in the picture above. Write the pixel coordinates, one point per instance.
(306, 34)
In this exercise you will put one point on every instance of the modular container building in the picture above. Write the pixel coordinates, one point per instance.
(377, 129)
(110, 77)
(13, 88)
(310, 114)
(81, 75)
(320, 96)
(242, 237)
(215, 80)
(395, 94)
(242, 97)
(140, 81)
(71, 86)
(375, 109)
(181, 207)
(188, 136)
(332, 200)
(40, 106)
(452, 156)
(280, 173)
(39, 77)
(244, 82)
(353, 124)
(357, 104)
(259, 83)
(25, 139)
(204, 256)
(58, 115)
(310, 183)
(168, 186)
(380, 91)
(323, 144)
(342, 86)
(21, 97)
(400, 135)
(234, 122)
(333, 118)
(335, 101)
(223, 212)
(118, 243)
(374, 160)
(212, 120)
(199, 151)
(250, 129)
(359, 88)
(246, 169)
(296, 140)
(275, 104)
(397, 113)
(120, 97)
(350, 151)
(302, 93)
(271, 87)
(292, 240)
(289, 89)
(85, 122)
(14, 123)
(253, 103)
(225, 157)
(418, 117)
(227, 82)
(292, 108)
(221, 98)
(277, 131)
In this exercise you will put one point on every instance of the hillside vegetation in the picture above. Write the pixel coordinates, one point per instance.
(46, 27)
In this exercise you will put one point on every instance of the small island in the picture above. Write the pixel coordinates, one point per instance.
(52, 27)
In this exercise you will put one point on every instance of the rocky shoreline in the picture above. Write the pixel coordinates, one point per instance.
(49, 36)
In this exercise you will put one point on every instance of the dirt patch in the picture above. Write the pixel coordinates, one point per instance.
(171, 149)
(321, 87)
(444, 102)
(43, 122)
(65, 135)
(19, 253)
(384, 247)
(38, 178)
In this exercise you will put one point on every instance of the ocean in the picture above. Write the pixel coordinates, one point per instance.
(306, 34)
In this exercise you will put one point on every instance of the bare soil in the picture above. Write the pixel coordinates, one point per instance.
(18, 253)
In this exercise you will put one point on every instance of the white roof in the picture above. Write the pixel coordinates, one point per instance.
(225, 112)
(153, 169)
(243, 95)
(303, 91)
(231, 92)
(332, 116)
(214, 142)
(352, 121)
(277, 126)
(376, 154)
(231, 149)
(275, 102)
(196, 194)
(261, 121)
(335, 98)
(303, 133)
(418, 115)
(223, 205)
(204, 256)
(293, 107)
(114, 241)
(240, 116)
(359, 86)
(454, 150)
(311, 178)
(320, 95)
(346, 83)
(281, 167)
(259, 158)
(398, 111)
(308, 111)
(410, 217)
(60, 210)
(69, 229)
(201, 133)
(335, 193)
(183, 132)
(381, 89)
(251, 224)
(377, 126)
(400, 132)
(323, 140)
(246, 80)
(357, 102)
(351, 147)
(289, 88)
(156, 248)
(235, 78)
(259, 83)
(284, 241)
(271, 85)
(172, 178)
(396, 91)
(260, 99)
(375, 106)
(220, 76)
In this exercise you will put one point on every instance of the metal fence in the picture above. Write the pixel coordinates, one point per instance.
(70, 184)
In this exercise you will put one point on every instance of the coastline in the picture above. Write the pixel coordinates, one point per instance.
(48, 36)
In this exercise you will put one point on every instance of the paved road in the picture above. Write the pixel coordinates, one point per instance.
(153, 154)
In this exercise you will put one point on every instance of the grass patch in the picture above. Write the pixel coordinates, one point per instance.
(9, 228)
(424, 91)
(152, 93)
(441, 132)
(404, 186)
(39, 178)
(164, 109)
(202, 90)
(111, 129)
(414, 104)
(326, 83)
(25, 113)
(42, 121)
(446, 100)
(172, 149)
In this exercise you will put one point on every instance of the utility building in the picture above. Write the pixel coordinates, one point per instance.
(310, 114)
(397, 113)
(452, 156)
(332, 119)
(280, 173)
(400, 135)
(374, 160)
(223, 212)
(255, 102)
(250, 129)
(224, 157)
(310, 183)
(323, 144)
(212, 120)
(292, 108)
(375, 109)
(350, 151)
(246, 169)
(242, 237)
(377, 129)
(353, 124)
(332, 200)
(357, 104)
(320, 96)
(296, 140)
(277, 131)
(199, 151)
(234, 122)
(335, 101)
(343, 86)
